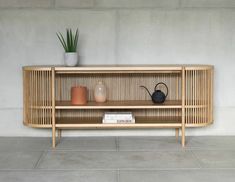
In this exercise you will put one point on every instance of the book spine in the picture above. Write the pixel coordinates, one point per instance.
(119, 117)
(117, 121)
(125, 121)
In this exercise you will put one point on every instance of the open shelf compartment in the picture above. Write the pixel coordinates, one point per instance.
(96, 122)
(123, 90)
(144, 118)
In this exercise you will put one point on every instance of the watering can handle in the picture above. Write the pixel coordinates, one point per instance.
(161, 83)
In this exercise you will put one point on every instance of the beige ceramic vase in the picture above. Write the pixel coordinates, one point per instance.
(100, 92)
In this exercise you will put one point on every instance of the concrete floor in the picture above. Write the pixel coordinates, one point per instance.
(118, 159)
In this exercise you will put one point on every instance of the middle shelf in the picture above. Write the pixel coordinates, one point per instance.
(141, 122)
(127, 104)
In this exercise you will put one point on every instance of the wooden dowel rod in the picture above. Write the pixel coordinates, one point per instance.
(53, 107)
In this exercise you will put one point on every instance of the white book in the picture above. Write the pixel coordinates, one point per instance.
(115, 121)
(118, 115)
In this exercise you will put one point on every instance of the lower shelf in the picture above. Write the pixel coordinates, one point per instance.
(141, 122)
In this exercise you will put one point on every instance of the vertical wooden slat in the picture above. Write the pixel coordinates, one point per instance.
(34, 98)
(209, 98)
(39, 96)
(202, 110)
(208, 94)
(43, 98)
(31, 101)
(205, 90)
(183, 107)
(212, 93)
(46, 97)
(36, 95)
(204, 96)
(186, 96)
(194, 96)
(53, 107)
(59, 98)
(200, 95)
(196, 78)
(49, 91)
(25, 100)
(190, 97)
(177, 98)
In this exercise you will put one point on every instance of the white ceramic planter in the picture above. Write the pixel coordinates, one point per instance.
(71, 58)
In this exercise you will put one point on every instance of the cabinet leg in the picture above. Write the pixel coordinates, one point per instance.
(53, 137)
(59, 133)
(177, 134)
(183, 137)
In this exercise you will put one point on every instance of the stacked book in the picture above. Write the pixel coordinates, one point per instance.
(118, 117)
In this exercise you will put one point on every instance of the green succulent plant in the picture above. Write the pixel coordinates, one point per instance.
(70, 43)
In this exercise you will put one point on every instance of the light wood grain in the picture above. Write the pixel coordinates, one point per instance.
(131, 104)
(47, 104)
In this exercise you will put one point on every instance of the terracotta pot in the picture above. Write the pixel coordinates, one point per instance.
(79, 95)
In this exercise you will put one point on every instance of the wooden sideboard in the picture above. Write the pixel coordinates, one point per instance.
(189, 103)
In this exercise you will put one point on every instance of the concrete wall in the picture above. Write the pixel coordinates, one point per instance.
(118, 32)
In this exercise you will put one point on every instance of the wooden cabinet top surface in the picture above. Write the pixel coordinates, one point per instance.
(120, 67)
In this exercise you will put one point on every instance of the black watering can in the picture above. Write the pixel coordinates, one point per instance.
(158, 96)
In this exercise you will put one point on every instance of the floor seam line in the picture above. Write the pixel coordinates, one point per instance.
(40, 159)
(118, 169)
(197, 159)
(118, 175)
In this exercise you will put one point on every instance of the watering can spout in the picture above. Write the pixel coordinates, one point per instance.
(147, 90)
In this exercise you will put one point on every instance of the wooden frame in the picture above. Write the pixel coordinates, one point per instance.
(189, 104)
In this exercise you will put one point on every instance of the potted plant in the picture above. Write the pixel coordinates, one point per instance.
(70, 46)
